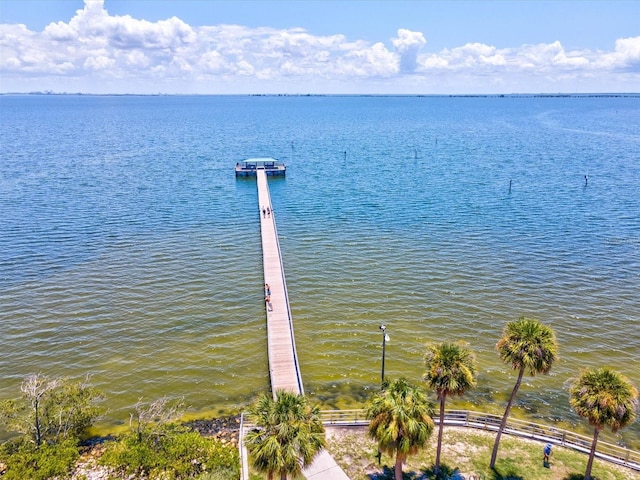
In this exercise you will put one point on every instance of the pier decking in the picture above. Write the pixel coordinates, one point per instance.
(283, 359)
(284, 368)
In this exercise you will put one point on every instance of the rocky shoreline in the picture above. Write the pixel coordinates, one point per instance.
(225, 429)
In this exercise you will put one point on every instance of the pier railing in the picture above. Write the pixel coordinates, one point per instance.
(286, 296)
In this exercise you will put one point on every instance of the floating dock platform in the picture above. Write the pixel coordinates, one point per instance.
(250, 167)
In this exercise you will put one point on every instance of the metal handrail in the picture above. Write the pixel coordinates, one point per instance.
(486, 421)
(244, 463)
(286, 295)
(523, 428)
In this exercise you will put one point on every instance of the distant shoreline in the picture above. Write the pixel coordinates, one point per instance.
(381, 95)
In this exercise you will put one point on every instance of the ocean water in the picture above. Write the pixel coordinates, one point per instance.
(129, 251)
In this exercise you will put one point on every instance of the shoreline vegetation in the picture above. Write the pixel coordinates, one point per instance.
(114, 428)
(466, 452)
(56, 415)
(356, 454)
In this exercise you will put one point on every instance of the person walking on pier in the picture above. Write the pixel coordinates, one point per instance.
(268, 301)
(267, 290)
(263, 212)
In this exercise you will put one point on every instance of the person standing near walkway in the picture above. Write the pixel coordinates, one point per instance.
(267, 289)
(546, 452)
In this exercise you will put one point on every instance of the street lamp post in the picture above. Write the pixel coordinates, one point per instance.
(385, 339)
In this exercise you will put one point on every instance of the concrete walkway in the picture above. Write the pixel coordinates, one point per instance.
(324, 467)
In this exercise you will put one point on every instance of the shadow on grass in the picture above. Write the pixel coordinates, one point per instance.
(504, 474)
(388, 473)
(448, 473)
(445, 473)
(574, 476)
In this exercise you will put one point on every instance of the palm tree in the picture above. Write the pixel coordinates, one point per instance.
(605, 398)
(528, 346)
(288, 434)
(451, 369)
(401, 422)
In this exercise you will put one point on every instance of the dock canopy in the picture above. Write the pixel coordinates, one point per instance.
(271, 166)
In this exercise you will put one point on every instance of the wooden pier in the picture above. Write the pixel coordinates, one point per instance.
(284, 368)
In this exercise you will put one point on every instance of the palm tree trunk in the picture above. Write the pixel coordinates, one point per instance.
(503, 423)
(398, 468)
(592, 453)
(440, 428)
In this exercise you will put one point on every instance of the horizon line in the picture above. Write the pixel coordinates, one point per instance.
(160, 94)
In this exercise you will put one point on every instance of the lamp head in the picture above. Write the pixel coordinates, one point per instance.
(383, 327)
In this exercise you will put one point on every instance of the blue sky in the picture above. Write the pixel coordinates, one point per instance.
(305, 46)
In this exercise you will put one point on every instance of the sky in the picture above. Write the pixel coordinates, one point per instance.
(319, 47)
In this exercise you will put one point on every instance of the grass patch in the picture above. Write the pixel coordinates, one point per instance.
(467, 451)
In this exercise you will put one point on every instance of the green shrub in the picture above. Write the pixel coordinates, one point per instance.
(221, 474)
(51, 409)
(172, 453)
(24, 460)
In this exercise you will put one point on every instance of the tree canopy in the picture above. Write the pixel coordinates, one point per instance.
(287, 436)
(606, 399)
(531, 347)
(401, 422)
(451, 370)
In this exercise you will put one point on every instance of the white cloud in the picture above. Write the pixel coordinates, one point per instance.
(408, 45)
(543, 56)
(136, 60)
(94, 46)
(626, 55)
(368, 61)
(99, 62)
(628, 49)
(211, 63)
(60, 32)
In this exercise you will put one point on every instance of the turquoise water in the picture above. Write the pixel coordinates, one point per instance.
(128, 249)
